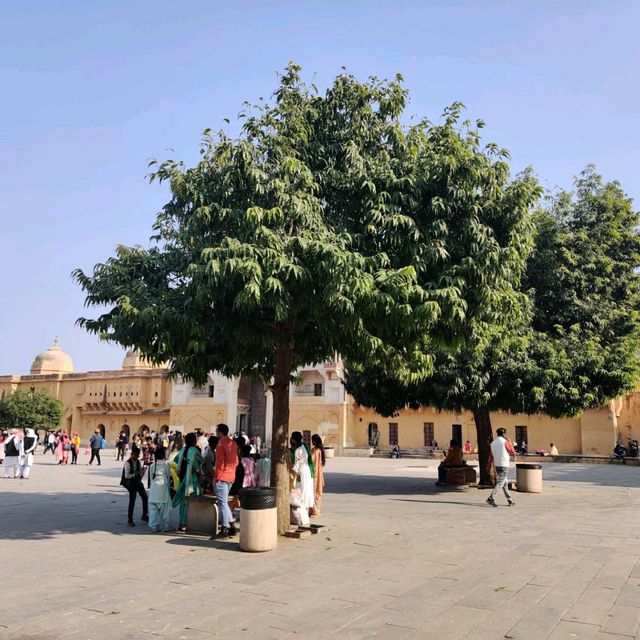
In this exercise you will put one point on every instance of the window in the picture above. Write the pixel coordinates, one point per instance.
(211, 391)
(306, 438)
(393, 433)
(156, 394)
(428, 434)
(521, 434)
(317, 389)
(456, 433)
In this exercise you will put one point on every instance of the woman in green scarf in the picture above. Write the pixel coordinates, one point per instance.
(189, 463)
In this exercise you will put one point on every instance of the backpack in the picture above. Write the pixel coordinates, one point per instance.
(103, 443)
(127, 483)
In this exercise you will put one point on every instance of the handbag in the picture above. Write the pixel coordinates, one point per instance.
(66, 447)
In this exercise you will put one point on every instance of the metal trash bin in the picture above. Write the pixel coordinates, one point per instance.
(529, 477)
(258, 519)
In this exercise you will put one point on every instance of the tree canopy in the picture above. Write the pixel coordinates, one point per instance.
(327, 225)
(574, 343)
(30, 410)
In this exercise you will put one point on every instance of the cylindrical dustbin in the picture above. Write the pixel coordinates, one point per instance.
(329, 452)
(258, 519)
(529, 477)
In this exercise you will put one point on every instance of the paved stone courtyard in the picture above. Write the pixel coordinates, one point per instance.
(399, 559)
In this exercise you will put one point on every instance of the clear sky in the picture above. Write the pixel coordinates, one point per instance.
(92, 89)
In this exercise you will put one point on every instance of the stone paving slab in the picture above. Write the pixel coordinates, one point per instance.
(399, 559)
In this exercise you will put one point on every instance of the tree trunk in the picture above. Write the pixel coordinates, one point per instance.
(280, 434)
(485, 435)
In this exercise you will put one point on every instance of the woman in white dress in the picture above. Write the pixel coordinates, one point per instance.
(302, 466)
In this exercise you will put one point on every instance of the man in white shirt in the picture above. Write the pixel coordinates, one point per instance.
(501, 450)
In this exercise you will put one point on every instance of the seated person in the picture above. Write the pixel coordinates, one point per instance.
(618, 452)
(454, 458)
(553, 450)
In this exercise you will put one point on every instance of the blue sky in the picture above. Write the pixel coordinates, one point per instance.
(92, 89)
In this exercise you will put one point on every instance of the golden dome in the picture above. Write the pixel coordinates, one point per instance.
(53, 360)
(133, 360)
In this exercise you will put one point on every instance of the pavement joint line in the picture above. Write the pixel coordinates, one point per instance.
(400, 626)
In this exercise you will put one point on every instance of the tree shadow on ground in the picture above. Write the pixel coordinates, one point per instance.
(382, 485)
(385, 484)
(204, 542)
(39, 516)
(481, 504)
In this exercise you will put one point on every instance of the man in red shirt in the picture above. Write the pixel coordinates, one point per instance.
(225, 473)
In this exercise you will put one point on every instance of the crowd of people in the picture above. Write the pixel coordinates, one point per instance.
(18, 446)
(174, 467)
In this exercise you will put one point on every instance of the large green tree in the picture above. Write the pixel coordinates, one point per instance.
(572, 346)
(326, 226)
(34, 410)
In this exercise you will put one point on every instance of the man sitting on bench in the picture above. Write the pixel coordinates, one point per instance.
(454, 458)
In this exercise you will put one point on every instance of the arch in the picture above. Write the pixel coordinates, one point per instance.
(127, 429)
(196, 422)
(143, 430)
(373, 434)
(103, 431)
(305, 423)
(164, 428)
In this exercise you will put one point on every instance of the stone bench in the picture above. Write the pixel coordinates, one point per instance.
(459, 476)
(202, 515)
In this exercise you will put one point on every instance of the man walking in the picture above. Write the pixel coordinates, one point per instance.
(501, 449)
(96, 445)
(51, 439)
(121, 445)
(225, 473)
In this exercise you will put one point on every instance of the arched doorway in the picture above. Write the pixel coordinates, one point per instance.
(144, 430)
(103, 431)
(373, 434)
(164, 428)
(126, 429)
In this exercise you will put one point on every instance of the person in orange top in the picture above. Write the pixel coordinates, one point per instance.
(225, 473)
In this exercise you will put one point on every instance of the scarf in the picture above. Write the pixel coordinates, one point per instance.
(309, 459)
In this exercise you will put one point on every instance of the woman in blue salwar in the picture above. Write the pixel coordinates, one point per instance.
(189, 464)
